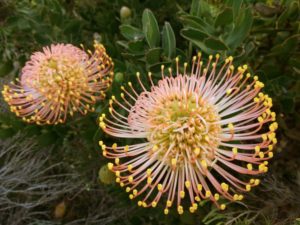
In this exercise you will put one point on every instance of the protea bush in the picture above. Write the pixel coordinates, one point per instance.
(149, 112)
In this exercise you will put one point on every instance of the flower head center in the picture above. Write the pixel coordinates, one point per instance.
(184, 128)
(60, 73)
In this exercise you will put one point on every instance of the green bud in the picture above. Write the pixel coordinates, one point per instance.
(106, 176)
(125, 13)
(119, 77)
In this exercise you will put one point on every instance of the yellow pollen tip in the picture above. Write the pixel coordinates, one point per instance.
(149, 180)
(154, 204)
(166, 211)
(155, 148)
(192, 210)
(261, 155)
(199, 187)
(249, 166)
(130, 179)
(126, 148)
(173, 162)
(129, 167)
(222, 206)
(204, 163)
(110, 166)
(257, 149)
(197, 151)
(224, 187)
(207, 194)
(230, 126)
(264, 137)
(248, 187)
(182, 194)
(217, 196)
(234, 151)
(159, 187)
(149, 171)
(169, 203)
(134, 192)
(180, 209)
(270, 154)
(187, 184)
(235, 197)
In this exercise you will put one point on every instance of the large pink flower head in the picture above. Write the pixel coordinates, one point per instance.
(198, 132)
(58, 81)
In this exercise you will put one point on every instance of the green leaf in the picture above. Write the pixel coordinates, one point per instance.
(196, 37)
(241, 30)
(287, 104)
(153, 55)
(47, 138)
(156, 68)
(6, 68)
(168, 41)
(195, 8)
(199, 7)
(150, 28)
(197, 23)
(235, 5)
(131, 33)
(224, 18)
(136, 46)
(215, 44)
(293, 8)
(287, 46)
(193, 34)
(124, 44)
(6, 133)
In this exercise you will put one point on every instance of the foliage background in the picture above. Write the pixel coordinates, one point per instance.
(49, 174)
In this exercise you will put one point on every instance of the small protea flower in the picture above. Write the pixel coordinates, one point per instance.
(199, 131)
(58, 81)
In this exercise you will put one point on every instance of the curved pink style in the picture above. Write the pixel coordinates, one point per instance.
(198, 131)
(58, 81)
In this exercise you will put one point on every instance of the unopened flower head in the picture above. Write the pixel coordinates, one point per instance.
(60, 80)
(198, 132)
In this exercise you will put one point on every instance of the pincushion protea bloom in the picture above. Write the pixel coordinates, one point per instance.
(198, 132)
(59, 80)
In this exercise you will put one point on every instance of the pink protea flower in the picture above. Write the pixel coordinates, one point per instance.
(58, 81)
(198, 132)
